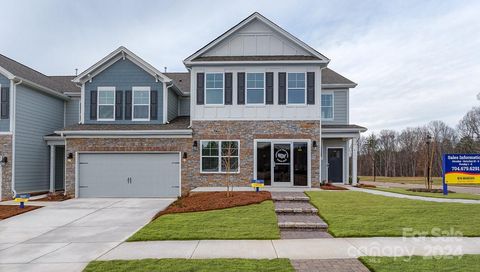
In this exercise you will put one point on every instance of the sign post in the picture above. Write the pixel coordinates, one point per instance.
(460, 169)
(257, 184)
(22, 198)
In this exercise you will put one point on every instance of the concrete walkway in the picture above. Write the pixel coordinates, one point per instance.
(327, 248)
(423, 198)
(68, 235)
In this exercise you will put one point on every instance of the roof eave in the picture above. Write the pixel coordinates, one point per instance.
(339, 86)
(194, 63)
(42, 88)
(176, 132)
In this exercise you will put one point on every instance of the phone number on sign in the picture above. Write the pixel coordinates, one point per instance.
(466, 168)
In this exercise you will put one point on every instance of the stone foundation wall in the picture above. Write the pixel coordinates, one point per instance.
(6, 186)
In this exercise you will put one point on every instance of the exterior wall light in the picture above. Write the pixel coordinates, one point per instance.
(195, 145)
(184, 157)
(3, 160)
(314, 145)
(70, 157)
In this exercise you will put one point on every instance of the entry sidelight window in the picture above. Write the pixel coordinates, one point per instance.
(220, 156)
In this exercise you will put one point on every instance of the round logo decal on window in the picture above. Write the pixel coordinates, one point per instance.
(281, 155)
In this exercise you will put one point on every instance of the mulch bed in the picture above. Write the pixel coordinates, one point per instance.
(53, 197)
(7, 211)
(207, 201)
(424, 190)
(361, 185)
(329, 186)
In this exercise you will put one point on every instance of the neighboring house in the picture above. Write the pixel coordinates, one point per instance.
(257, 103)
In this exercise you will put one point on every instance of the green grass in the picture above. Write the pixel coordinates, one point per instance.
(406, 180)
(465, 263)
(256, 221)
(437, 195)
(357, 214)
(190, 265)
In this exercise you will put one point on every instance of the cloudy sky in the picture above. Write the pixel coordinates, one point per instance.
(414, 61)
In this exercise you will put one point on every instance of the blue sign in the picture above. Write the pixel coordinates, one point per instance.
(460, 169)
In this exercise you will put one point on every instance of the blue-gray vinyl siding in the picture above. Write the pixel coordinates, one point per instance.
(172, 105)
(72, 111)
(123, 75)
(184, 105)
(340, 107)
(4, 123)
(37, 115)
(334, 143)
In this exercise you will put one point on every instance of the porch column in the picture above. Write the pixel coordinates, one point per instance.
(354, 160)
(52, 168)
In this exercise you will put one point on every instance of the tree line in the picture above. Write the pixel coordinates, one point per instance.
(413, 150)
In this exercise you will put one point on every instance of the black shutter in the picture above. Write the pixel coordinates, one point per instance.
(269, 89)
(5, 104)
(93, 105)
(311, 88)
(228, 88)
(118, 105)
(128, 105)
(153, 105)
(241, 88)
(282, 88)
(200, 88)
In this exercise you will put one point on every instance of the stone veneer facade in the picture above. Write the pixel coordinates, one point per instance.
(245, 131)
(6, 186)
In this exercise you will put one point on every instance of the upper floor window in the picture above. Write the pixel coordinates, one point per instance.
(327, 106)
(106, 103)
(214, 89)
(255, 88)
(296, 93)
(141, 103)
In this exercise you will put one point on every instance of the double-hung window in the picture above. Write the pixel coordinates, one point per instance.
(327, 106)
(141, 103)
(296, 88)
(255, 88)
(220, 156)
(214, 89)
(106, 103)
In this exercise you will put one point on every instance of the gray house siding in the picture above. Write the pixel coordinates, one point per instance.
(184, 105)
(340, 107)
(123, 75)
(4, 123)
(329, 143)
(37, 114)
(172, 105)
(72, 111)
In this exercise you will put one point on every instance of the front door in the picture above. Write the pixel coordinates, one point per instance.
(282, 157)
(335, 164)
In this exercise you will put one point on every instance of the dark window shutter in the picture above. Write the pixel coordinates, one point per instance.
(5, 102)
(282, 88)
(200, 88)
(241, 88)
(153, 105)
(93, 105)
(128, 105)
(118, 105)
(311, 88)
(228, 88)
(269, 89)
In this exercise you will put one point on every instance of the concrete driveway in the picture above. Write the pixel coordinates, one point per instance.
(67, 235)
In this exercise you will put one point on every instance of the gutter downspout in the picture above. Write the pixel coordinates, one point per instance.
(166, 102)
(14, 109)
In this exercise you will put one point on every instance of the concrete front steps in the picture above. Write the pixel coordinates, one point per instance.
(297, 218)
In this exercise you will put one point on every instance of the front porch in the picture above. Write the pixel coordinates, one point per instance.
(56, 145)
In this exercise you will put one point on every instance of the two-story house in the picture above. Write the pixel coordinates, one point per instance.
(256, 103)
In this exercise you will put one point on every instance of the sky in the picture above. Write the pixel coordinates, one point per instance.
(414, 61)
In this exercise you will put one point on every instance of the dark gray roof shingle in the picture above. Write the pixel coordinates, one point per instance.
(177, 123)
(331, 77)
(65, 83)
(181, 80)
(346, 126)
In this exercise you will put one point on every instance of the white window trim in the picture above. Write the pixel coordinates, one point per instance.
(104, 89)
(141, 89)
(333, 106)
(304, 90)
(264, 89)
(205, 89)
(219, 157)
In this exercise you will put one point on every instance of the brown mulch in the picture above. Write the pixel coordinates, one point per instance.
(7, 211)
(53, 197)
(361, 185)
(207, 201)
(329, 186)
(424, 190)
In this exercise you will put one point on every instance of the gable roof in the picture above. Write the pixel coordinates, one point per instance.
(332, 79)
(119, 53)
(65, 83)
(181, 80)
(255, 16)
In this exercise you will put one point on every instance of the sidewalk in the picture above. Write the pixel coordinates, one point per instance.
(329, 248)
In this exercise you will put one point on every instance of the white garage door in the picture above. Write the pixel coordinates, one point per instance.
(129, 175)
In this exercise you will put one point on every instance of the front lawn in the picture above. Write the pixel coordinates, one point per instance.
(358, 214)
(437, 195)
(190, 265)
(256, 221)
(465, 263)
(403, 180)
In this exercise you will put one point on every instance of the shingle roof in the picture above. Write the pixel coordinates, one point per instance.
(331, 77)
(65, 83)
(346, 126)
(181, 80)
(255, 58)
(175, 124)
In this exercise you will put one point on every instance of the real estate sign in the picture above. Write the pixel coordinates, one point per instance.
(461, 168)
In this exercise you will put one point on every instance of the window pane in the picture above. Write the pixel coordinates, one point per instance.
(210, 164)
(105, 112)
(230, 148)
(327, 100)
(106, 97)
(327, 112)
(255, 96)
(214, 96)
(140, 112)
(141, 97)
(229, 161)
(296, 96)
(255, 80)
(210, 148)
